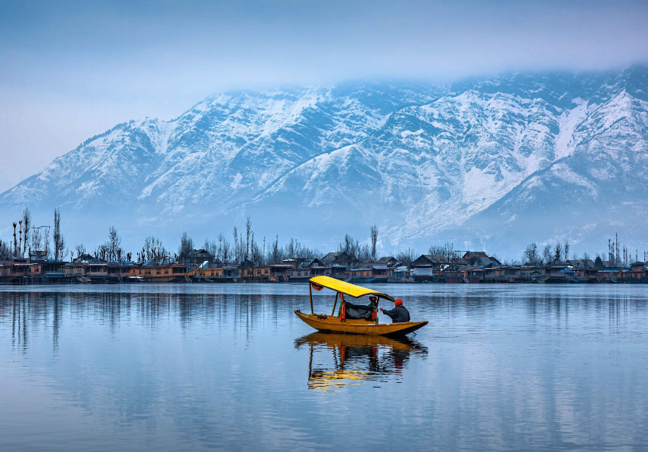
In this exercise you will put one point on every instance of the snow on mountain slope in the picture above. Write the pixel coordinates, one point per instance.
(436, 165)
(599, 189)
(468, 162)
(107, 167)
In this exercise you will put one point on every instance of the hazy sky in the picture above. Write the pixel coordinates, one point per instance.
(70, 70)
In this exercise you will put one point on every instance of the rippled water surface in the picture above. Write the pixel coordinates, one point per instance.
(230, 367)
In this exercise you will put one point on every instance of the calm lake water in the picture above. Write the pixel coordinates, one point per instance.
(230, 367)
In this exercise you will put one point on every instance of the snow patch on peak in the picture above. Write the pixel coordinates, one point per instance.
(568, 122)
(237, 181)
(160, 136)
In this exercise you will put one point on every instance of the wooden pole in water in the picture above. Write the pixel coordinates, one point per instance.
(310, 291)
(337, 294)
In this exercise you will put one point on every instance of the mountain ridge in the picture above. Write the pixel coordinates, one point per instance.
(425, 163)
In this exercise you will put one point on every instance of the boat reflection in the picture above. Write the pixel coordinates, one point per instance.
(338, 361)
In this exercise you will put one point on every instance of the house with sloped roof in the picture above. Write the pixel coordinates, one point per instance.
(312, 263)
(581, 264)
(480, 259)
(316, 268)
(199, 257)
(389, 261)
(426, 265)
(338, 258)
(329, 258)
(430, 260)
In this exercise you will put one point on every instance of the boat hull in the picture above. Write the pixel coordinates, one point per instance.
(333, 324)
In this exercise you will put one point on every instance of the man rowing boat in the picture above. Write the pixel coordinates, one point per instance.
(399, 314)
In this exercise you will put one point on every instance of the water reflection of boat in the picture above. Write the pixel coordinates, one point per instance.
(355, 358)
(344, 324)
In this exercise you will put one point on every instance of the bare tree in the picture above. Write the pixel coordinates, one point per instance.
(252, 247)
(46, 243)
(113, 246)
(256, 253)
(350, 246)
(153, 249)
(566, 248)
(276, 253)
(248, 231)
(15, 247)
(449, 251)
(374, 241)
(406, 257)
(186, 247)
(222, 253)
(36, 240)
(27, 227)
(147, 248)
(237, 254)
(546, 254)
(557, 251)
(59, 241)
(102, 252)
(5, 250)
(295, 250)
(226, 252)
(531, 254)
(290, 249)
(80, 250)
(211, 247)
(20, 240)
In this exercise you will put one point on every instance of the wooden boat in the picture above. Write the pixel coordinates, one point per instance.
(335, 324)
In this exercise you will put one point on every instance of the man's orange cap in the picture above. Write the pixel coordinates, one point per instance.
(398, 302)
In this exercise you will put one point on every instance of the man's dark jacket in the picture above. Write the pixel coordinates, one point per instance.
(399, 314)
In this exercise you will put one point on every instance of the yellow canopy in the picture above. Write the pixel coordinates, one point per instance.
(346, 288)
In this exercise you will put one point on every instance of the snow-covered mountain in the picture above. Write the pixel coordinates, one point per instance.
(490, 163)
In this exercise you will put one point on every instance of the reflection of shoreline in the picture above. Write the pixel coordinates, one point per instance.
(356, 358)
(24, 313)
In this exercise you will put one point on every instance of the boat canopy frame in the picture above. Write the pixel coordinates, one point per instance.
(342, 288)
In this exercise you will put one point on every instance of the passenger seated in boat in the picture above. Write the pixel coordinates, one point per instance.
(358, 311)
(399, 314)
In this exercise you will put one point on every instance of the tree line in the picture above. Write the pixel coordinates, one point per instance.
(617, 256)
(29, 239)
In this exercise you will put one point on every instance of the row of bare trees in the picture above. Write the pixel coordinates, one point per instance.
(28, 239)
(246, 248)
(617, 255)
(621, 255)
(532, 254)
